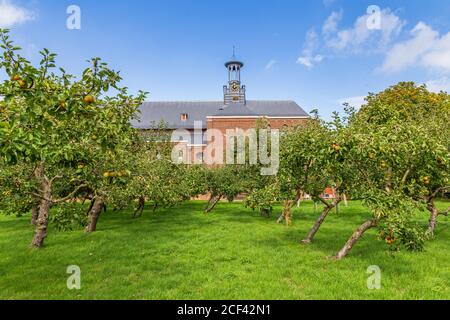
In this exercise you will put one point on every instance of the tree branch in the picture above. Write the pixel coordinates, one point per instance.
(435, 193)
(445, 213)
(55, 178)
(37, 195)
(406, 175)
(71, 194)
(54, 201)
(324, 201)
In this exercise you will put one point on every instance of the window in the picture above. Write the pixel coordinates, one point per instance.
(184, 117)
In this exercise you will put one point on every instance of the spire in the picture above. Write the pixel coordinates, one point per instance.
(234, 60)
(234, 92)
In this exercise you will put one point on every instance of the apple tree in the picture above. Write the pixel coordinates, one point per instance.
(397, 151)
(56, 122)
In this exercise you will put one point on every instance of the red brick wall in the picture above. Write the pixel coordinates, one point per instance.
(248, 123)
(224, 124)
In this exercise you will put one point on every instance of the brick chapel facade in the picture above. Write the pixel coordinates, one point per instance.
(190, 120)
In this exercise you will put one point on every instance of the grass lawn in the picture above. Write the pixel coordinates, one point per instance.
(233, 253)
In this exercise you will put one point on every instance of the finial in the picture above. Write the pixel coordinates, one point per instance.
(234, 52)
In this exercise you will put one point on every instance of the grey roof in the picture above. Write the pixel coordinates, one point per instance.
(235, 109)
(152, 113)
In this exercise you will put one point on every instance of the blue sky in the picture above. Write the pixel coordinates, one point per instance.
(318, 53)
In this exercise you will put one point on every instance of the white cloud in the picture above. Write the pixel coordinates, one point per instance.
(309, 57)
(409, 52)
(369, 33)
(270, 64)
(12, 14)
(442, 84)
(311, 42)
(355, 102)
(310, 61)
(425, 48)
(331, 24)
(439, 56)
(361, 35)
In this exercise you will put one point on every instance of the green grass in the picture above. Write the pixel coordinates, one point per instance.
(233, 253)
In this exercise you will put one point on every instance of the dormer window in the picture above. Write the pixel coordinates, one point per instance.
(184, 117)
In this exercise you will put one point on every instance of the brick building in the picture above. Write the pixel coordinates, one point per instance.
(191, 120)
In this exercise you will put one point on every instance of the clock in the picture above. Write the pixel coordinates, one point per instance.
(235, 87)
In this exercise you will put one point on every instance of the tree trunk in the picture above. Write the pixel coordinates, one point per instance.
(40, 232)
(280, 218)
(326, 210)
(265, 213)
(317, 225)
(35, 213)
(434, 213)
(287, 212)
(140, 208)
(91, 204)
(213, 201)
(344, 196)
(355, 237)
(94, 214)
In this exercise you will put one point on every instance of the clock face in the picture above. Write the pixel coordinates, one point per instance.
(235, 87)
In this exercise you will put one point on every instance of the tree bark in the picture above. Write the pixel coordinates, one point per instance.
(140, 208)
(355, 237)
(213, 201)
(40, 232)
(91, 204)
(35, 213)
(280, 218)
(326, 210)
(286, 214)
(265, 213)
(94, 214)
(434, 213)
(316, 226)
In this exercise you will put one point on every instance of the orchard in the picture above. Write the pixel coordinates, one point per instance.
(69, 156)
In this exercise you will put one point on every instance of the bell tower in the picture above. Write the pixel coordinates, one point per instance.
(234, 92)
